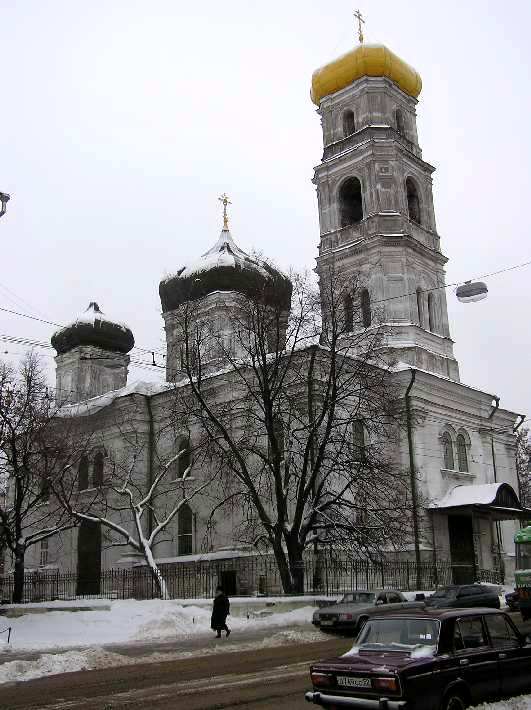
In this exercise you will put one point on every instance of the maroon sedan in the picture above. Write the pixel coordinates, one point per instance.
(432, 659)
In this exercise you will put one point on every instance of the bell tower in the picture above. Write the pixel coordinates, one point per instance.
(376, 215)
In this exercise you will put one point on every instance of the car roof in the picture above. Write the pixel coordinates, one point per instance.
(431, 613)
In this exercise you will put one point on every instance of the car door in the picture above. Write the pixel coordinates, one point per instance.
(514, 657)
(475, 658)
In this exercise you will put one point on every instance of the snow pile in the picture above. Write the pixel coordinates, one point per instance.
(52, 664)
(521, 702)
(129, 621)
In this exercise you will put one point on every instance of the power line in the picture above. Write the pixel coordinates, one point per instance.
(456, 283)
(60, 325)
(28, 342)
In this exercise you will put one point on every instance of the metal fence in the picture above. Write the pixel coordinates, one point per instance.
(242, 576)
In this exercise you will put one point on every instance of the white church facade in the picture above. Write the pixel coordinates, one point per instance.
(377, 224)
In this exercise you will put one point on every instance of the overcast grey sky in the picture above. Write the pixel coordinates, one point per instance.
(122, 121)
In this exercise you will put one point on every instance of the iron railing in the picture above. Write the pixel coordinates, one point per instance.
(242, 576)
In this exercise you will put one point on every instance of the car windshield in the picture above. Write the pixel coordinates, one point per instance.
(407, 634)
(358, 598)
(446, 593)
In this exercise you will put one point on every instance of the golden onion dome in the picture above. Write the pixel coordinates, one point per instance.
(364, 60)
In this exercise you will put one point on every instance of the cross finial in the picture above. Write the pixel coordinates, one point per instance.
(359, 18)
(224, 199)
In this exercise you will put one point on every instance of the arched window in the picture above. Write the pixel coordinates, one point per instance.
(348, 307)
(419, 307)
(358, 440)
(185, 531)
(349, 125)
(83, 474)
(97, 471)
(350, 204)
(462, 456)
(448, 451)
(185, 459)
(413, 202)
(399, 121)
(366, 315)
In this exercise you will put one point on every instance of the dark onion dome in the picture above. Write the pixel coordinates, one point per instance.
(226, 267)
(92, 327)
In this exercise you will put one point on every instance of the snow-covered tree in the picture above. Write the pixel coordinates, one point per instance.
(36, 451)
(136, 513)
(298, 410)
(523, 466)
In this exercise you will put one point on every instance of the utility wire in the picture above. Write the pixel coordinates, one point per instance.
(151, 351)
(60, 325)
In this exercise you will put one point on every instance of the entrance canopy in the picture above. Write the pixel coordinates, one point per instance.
(496, 499)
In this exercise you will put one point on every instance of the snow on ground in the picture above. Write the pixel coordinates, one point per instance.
(89, 659)
(129, 621)
(521, 702)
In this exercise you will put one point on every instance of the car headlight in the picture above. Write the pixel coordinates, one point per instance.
(345, 617)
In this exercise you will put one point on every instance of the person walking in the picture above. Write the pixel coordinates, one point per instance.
(220, 611)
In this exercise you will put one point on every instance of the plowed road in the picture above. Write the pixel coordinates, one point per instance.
(263, 679)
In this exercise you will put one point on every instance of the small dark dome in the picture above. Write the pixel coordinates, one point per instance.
(93, 328)
(226, 267)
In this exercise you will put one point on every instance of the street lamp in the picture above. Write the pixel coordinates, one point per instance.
(471, 291)
(4, 199)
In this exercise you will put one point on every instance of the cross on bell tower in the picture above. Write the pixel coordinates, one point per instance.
(359, 17)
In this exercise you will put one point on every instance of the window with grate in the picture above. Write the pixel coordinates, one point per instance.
(348, 308)
(358, 440)
(185, 531)
(366, 315)
(448, 451)
(97, 471)
(462, 455)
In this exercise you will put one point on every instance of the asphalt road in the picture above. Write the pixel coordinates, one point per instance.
(265, 678)
(260, 679)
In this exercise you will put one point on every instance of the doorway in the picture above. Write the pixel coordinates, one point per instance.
(88, 559)
(462, 554)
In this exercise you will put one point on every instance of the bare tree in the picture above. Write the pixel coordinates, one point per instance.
(298, 409)
(523, 466)
(135, 509)
(36, 450)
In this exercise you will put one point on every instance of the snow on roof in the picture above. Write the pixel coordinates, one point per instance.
(94, 404)
(92, 314)
(225, 252)
(205, 557)
(476, 494)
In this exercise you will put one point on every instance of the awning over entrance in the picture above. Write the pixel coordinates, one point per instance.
(497, 499)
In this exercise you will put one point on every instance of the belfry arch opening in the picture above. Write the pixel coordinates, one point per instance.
(349, 123)
(399, 121)
(413, 201)
(350, 202)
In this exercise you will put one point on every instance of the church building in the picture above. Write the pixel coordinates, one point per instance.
(377, 223)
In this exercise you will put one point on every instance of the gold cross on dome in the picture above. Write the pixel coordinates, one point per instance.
(224, 199)
(359, 18)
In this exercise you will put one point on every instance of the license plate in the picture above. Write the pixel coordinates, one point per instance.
(350, 682)
(327, 622)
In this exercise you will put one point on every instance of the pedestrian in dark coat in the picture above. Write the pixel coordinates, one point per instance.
(220, 611)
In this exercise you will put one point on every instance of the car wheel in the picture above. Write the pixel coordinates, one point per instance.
(453, 701)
